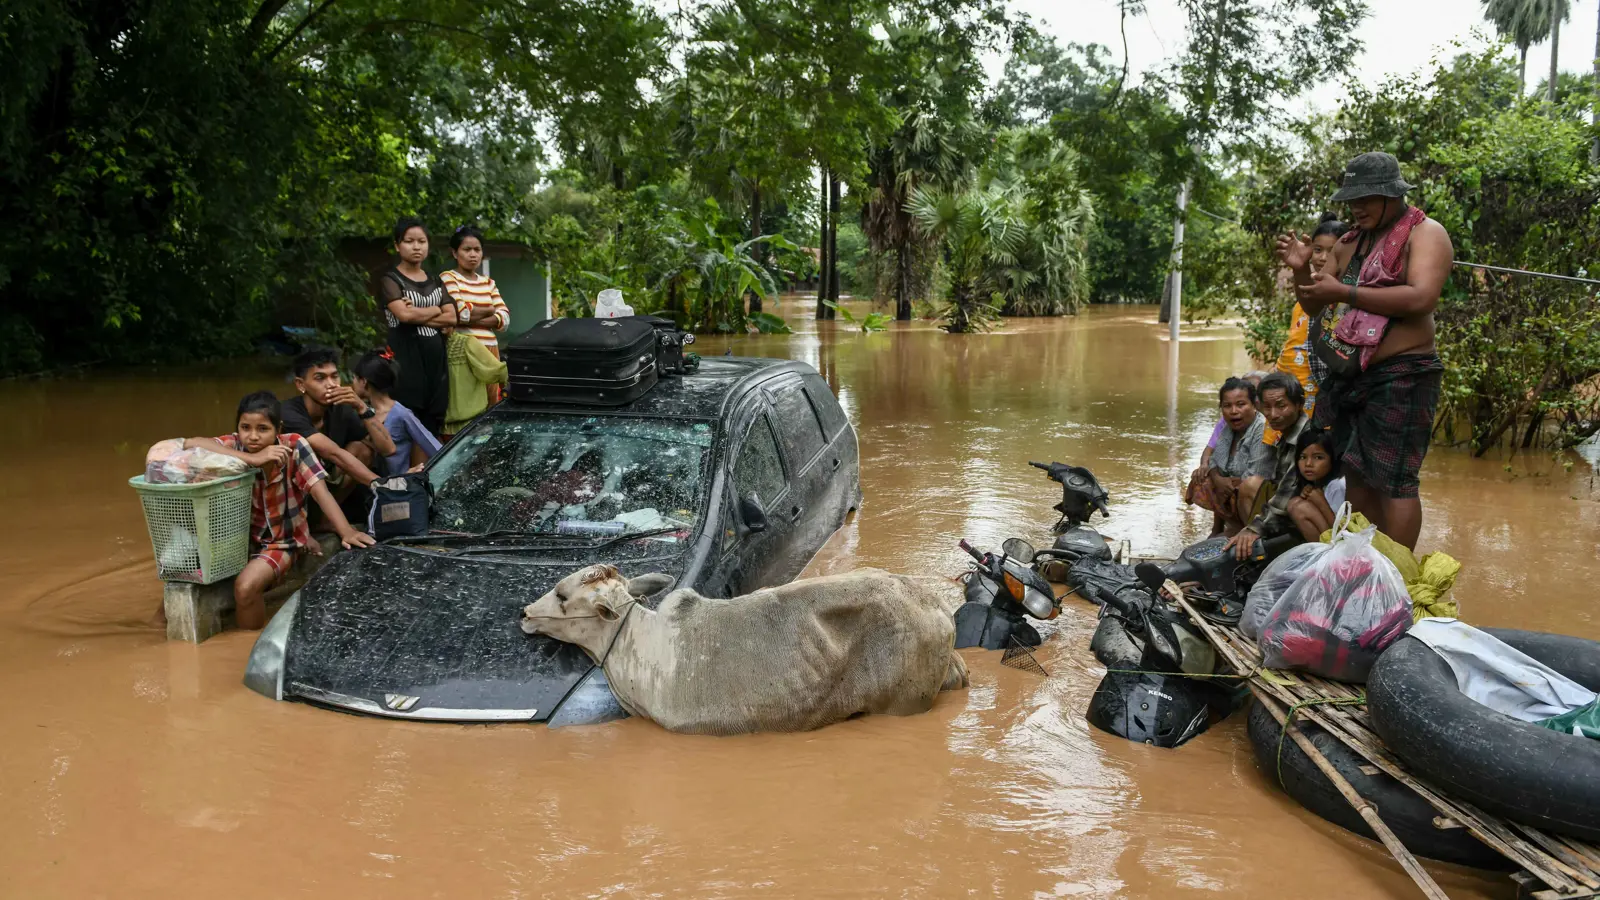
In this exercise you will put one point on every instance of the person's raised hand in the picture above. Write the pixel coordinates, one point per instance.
(266, 457)
(346, 395)
(1294, 250)
(1323, 290)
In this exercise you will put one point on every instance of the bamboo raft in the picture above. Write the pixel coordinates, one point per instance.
(1553, 867)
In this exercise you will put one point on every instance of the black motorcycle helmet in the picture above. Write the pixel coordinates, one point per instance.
(1163, 710)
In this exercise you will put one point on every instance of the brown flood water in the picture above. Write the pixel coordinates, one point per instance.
(133, 767)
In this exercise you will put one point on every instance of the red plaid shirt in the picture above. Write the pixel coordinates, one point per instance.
(278, 502)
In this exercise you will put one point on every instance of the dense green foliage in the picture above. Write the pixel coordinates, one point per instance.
(1511, 180)
(175, 173)
(180, 178)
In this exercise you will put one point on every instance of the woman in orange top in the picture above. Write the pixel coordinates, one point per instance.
(478, 303)
(1296, 356)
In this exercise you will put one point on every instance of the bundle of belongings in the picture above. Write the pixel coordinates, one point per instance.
(1330, 608)
(1509, 681)
(168, 463)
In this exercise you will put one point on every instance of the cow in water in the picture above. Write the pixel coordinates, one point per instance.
(790, 658)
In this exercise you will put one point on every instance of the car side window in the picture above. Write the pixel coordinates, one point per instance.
(758, 467)
(826, 406)
(797, 420)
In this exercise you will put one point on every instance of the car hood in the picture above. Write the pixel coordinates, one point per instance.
(414, 634)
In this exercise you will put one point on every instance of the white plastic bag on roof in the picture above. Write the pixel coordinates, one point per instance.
(609, 305)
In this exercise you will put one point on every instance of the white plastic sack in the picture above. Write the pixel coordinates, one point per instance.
(1345, 608)
(181, 555)
(193, 466)
(609, 305)
(1499, 675)
(1270, 587)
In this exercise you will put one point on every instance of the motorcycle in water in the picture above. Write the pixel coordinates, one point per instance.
(1082, 557)
(1001, 589)
(1149, 647)
(1148, 698)
(1081, 497)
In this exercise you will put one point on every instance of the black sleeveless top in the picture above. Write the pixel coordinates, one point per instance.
(1331, 357)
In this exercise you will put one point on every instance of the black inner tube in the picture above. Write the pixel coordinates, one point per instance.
(1409, 816)
(1515, 769)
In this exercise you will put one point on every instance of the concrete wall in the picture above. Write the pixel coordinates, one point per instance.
(525, 285)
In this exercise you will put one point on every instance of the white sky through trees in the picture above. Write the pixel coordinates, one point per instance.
(1400, 36)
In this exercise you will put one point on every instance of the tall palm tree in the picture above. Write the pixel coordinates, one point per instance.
(1525, 22)
(1559, 10)
(980, 236)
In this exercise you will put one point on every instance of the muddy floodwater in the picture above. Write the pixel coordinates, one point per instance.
(134, 767)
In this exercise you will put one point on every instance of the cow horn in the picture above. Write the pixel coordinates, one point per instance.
(600, 573)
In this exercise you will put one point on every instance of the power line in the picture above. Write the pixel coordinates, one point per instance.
(1526, 272)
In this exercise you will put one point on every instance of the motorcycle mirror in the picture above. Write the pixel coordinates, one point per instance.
(1150, 575)
(1018, 549)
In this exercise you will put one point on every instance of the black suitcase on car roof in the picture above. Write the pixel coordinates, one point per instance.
(605, 362)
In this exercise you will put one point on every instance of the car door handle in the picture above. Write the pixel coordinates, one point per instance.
(794, 513)
(835, 465)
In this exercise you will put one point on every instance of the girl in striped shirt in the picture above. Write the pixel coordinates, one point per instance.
(479, 307)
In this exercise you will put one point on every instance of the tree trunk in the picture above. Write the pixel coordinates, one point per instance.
(833, 242)
(822, 248)
(1166, 300)
(1522, 68)
(1555, 51)
(756, 250)
(902, 283)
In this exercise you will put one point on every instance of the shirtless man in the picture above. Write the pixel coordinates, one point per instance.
(1393, 264)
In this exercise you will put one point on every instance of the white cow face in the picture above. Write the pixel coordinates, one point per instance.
(586, 607)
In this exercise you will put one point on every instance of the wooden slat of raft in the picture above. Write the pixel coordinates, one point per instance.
(1571, 868)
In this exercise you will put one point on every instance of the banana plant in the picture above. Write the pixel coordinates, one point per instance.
(716, 271)
(873, 322)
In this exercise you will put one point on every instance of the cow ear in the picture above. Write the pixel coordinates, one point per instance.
(647, 585)
(605, 612)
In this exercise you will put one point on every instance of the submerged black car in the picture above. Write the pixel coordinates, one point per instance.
(729, 478)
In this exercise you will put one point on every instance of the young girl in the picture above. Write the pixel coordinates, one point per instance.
(278, 530)
(414, 444)
(480, 310)
(1296, 356)
(1318, 467)
(472, 369)
(417, 308)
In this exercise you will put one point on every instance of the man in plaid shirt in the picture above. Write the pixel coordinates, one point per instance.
(290, 472)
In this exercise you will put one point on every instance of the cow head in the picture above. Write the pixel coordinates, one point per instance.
(586, 607)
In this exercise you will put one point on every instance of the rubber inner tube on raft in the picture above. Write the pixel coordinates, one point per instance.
(1515, 769)
(1402, 809)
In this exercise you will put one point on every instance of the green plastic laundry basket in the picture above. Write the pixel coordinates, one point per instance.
(200, 532)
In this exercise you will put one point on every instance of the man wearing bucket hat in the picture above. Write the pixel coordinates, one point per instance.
(1372, 339)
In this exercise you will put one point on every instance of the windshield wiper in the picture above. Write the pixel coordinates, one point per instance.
(457, 536)
(537, 541)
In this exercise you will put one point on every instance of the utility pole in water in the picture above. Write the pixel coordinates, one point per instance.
(1177, 260)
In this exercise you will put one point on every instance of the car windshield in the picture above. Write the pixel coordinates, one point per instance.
(600, 476)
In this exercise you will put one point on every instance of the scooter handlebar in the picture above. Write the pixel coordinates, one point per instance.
(970, 552)
(1110, 598)
(1039, 465)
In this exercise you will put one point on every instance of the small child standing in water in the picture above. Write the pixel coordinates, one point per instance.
(1311, 509)
(278, 528)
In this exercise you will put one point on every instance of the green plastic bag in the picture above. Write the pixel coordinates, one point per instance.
(1583, 721)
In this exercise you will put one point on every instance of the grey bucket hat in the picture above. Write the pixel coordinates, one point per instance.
(1371, 175)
